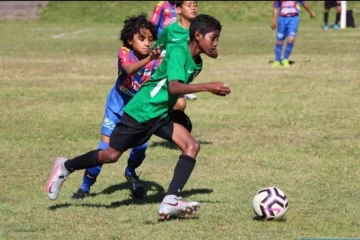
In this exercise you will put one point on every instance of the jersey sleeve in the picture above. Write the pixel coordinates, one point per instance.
(157, 14)
(302, 2)
(276, 4)
(124, 56)
(177, 61)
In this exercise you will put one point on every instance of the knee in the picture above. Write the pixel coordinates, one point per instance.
(194, 147)
(109, 155)
(180, 104)
(291, 40)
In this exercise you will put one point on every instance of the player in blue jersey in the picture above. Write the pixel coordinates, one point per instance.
(164, 14)
(286, 19)
(136, 63)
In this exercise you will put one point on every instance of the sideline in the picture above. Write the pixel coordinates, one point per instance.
(74, 33)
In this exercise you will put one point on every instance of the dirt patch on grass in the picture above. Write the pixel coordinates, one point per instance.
(20, 10)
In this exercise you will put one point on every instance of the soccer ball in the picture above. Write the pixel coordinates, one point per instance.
(270, 203)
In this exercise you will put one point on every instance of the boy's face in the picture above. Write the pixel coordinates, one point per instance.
(142, 42)
(188, 10)
(209, 42)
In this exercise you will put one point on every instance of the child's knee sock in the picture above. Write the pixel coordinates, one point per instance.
(288, 50)
(278, 50)
(91, 174)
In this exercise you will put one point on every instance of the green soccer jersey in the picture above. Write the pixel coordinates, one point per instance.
(153, 99)
(172, 35)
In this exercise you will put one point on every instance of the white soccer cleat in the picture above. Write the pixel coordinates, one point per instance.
(190, 96)
(56, 179)
(173, 206)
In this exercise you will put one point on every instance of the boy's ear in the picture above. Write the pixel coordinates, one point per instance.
(197, 35)
(130, 42)
(178, 10)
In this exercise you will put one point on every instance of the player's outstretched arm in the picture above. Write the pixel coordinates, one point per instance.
(217, 88)
(308, 9)
(131, 69)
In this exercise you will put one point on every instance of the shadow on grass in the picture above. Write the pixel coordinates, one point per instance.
(293, 62)
(155, 194)
(290, 62)
(257, 218)
(166, 144)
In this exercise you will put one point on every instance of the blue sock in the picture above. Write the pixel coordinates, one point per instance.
(278, 50)
(137, 156)
(288, 50)
(91, 174)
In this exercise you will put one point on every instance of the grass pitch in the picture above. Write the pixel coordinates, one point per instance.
(296, 129)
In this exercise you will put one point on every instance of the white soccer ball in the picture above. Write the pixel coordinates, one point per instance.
(270, 203)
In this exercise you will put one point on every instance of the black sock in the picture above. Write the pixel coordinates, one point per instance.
(84, 161)
(182, 172)
(337, 18)
(326, 18)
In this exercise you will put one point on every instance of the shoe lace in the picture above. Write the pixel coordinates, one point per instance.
(62, 178)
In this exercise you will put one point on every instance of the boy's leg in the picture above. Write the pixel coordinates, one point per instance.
(326, 19)
(280, 37)
(180, 103)
(338, 15)
(293, 23)
(123, 137)
(137, 155)
(63, 167)
(90, 176)
(172, 205)
(327, 6)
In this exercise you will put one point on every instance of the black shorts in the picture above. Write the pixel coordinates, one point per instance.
(330, 4)
(129, 133)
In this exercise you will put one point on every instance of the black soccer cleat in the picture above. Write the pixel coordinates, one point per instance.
(136, 186)
(80, 194)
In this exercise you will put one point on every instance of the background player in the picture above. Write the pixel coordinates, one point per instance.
(327, 6)
(136, 63)
(179, 32)
(148, 113)
(164, 14)
(286, 19)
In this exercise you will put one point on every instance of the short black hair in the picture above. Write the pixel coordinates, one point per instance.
(204, 24)
(134, 24)
(179, 3)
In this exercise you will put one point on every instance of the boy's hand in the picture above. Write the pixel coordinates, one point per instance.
(218, 88)
(273, 25)
(156, 53)
(312, 14)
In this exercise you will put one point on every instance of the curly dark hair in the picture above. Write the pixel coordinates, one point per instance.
(134, 24)
(204, 24)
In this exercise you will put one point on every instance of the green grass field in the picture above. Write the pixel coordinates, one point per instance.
(297, 129)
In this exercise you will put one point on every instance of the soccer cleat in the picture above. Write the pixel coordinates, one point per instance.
(285, 63)
(136, 186)
(56, 179)
(336, 26)
(276, 64)
(326, 27)
(80, 194)
(190, 96)
(173, 206)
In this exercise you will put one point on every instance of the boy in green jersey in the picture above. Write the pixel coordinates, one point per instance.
(178, 32)
(150, 113)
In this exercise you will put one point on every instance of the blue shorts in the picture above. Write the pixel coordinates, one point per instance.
(113, 111)
(287, 27)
